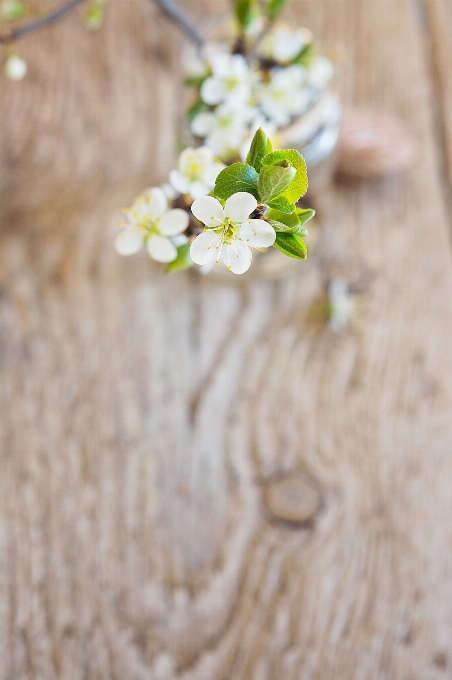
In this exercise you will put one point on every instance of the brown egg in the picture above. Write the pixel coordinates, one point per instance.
(373, 144)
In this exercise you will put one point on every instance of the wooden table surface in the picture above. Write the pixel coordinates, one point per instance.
(155, 430)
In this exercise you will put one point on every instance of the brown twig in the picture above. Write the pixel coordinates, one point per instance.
(174, 12)
(168, 6)
(35, 25)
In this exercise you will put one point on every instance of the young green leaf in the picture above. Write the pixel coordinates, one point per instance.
(304, 214)
(244, 11)
(298, 229)
(290, 220)
(274, 8)
(14, 10)
(182, 261)
(273, 181)
(283, 205)
(94, 16)
(236, 177)
(305, 55)
(299, 184)
(282, 228)
(195, 81)
(197, 107)
(260, 147)
(291, 245)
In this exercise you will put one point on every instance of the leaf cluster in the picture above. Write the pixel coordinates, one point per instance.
(246, 11)
(277, 179)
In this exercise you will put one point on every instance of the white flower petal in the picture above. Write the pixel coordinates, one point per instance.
(169, 191)
(238, 66)
(212, 91)
(201, 156)
(179, 240)
(208, 211)
(257, 233)
(14, 67)
(203, 123)
(205, 247)
(198, 189)
(212, 172)
(178, 181)
(320, 73)
(161, 249)
(220, 62)
(128, 241)
(174, 222)
(152, 203)
(237, 257)
(239, 206)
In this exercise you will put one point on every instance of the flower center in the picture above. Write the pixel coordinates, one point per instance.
(149, 226)
(230, 231)
(194, 171)
(224, 122)
(231, 83)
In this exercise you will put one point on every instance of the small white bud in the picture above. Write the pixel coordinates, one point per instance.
(14, 67)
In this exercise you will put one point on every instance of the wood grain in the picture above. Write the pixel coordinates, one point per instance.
(438, 42)
(143, 418)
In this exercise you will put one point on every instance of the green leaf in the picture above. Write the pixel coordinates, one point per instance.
(195, 81)
(14, 10)
(299, 184)
(273, 181)
(236, 177)
(283, 205)
(245, 11)
(305, 55)
(274, 8)
(289, 220)
(197, 107)
(94, 16)
(282, 228)
(182, 261)
(260, 147)
(291, 245)
(304, 214)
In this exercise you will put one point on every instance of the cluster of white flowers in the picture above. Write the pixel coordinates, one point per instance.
(152, 223)
(268, 90)
(228, 234)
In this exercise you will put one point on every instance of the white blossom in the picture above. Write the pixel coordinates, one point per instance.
(224, 129)
(14, 67)
(196, 173)
(320, 73)
(285, 96)
(283, 44)
(230, 79)
(341, 305)
(150, 223)
(229, 232)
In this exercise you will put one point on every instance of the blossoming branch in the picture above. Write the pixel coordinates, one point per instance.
(210, 214)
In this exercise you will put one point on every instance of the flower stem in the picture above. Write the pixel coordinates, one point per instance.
(37, 24)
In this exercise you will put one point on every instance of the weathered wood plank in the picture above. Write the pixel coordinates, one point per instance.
(146, 415)
(438, 15)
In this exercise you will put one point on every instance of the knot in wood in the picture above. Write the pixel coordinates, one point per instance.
(294, 498)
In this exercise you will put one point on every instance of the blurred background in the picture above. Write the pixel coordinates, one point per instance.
(203, 481)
